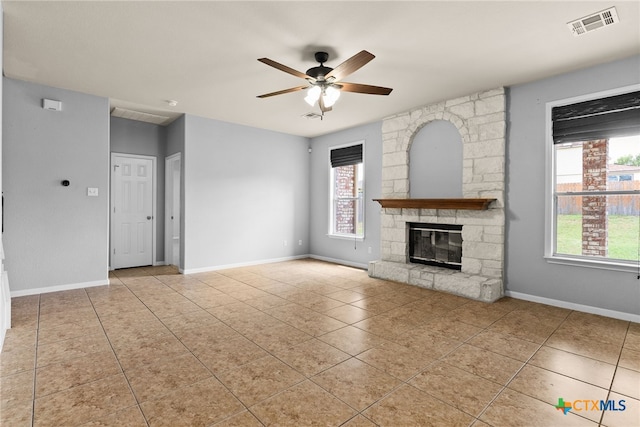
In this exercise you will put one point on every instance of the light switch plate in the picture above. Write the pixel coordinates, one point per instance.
(92, 192)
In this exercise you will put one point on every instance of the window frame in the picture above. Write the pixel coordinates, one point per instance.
(550, 192)
(331, 221)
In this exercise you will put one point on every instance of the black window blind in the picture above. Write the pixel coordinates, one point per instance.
(346, 156)
(603, 118)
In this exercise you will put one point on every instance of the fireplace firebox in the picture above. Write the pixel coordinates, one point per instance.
(436, 244)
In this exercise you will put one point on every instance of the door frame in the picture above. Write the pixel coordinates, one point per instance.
(154, 189)
(168, 202)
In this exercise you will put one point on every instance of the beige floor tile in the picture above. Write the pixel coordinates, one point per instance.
(630, 359)
(375, 304)
(199, 404)
(61, 351)
(396, 360)
(504, 344)
(311, 357)
(568, 340)
(84, 403)
(548, 386)
(17, 414)
(260, 379)
(515, 409)
(627, 417)
(346, 296)
(130, 417)
(348, 313)
(409, 406)
(572, 365)
(253, 327)
(154, 381)
(305, 404)
(460, 389)
(16, 388)
(484, 363)
(359, 421)
(15, 339)
(627, 382)
(243, 419)
(56, 377)
(356, 383)
(18, 360)
(352, 340)
(230, 354)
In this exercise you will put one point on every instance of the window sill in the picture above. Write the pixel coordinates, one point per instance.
(346, 237)
(629, 267)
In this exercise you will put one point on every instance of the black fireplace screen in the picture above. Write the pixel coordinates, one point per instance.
(436, 244)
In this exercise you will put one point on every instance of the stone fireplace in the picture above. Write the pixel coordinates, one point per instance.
(480, 119)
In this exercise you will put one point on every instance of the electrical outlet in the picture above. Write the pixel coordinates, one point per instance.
(369, 249)
(92, 192)
(299, 242)
(284, 243)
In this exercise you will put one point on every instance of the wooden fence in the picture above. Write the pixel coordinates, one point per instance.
(628, 204)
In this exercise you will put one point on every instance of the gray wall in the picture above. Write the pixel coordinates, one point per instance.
(246, 192)
(134, 137)
(54, 235)
(335, 248)
(526, 270)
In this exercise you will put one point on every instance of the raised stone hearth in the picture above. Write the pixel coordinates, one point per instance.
(480, 119)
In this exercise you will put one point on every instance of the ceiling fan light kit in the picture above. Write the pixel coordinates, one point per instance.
(324, 83)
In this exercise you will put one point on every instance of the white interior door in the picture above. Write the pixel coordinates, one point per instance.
(131, 210)
(172, 209)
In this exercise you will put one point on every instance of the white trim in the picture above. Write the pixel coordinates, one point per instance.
(168, 180)
(364, 185)
(154, 197)
(593, 263)
(241, 264)
(58, 288)
(630, 317)
(550, 173)
(346, 237)
(340, 261)
(158, 263)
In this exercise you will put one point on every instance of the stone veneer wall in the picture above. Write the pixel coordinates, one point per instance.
(481, 120)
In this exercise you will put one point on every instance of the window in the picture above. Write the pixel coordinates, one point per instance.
(347, 192)
(595, 202)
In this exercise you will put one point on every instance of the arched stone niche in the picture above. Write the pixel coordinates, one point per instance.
(435, 161)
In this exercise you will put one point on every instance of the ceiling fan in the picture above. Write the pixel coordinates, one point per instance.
(324, 84)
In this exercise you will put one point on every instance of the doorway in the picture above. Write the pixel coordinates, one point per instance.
(133, 186)
(172, 209)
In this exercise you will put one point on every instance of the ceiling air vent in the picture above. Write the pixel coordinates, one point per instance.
(140, 116)
(312, 116)
(593, 22)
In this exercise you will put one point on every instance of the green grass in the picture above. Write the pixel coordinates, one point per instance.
(623, 236)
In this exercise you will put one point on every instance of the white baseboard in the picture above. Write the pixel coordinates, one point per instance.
(340, 261)
(57, 288)
(159, 263)
(577, 307)
(241, 264)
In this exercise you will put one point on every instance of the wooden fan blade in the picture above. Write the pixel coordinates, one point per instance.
(284, 68)
(368, 89)
(352, 64)
(281, 92)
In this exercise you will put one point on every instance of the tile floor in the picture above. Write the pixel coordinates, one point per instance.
(306, 343)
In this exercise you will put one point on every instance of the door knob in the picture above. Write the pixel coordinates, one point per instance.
(148, 217)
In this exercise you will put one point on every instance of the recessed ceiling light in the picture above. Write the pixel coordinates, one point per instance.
(172, 103)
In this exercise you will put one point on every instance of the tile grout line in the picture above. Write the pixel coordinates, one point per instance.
(117, 361)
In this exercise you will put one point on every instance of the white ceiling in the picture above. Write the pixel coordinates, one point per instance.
(204, 54)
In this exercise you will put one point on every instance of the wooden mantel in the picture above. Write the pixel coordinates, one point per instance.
(467, 204)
